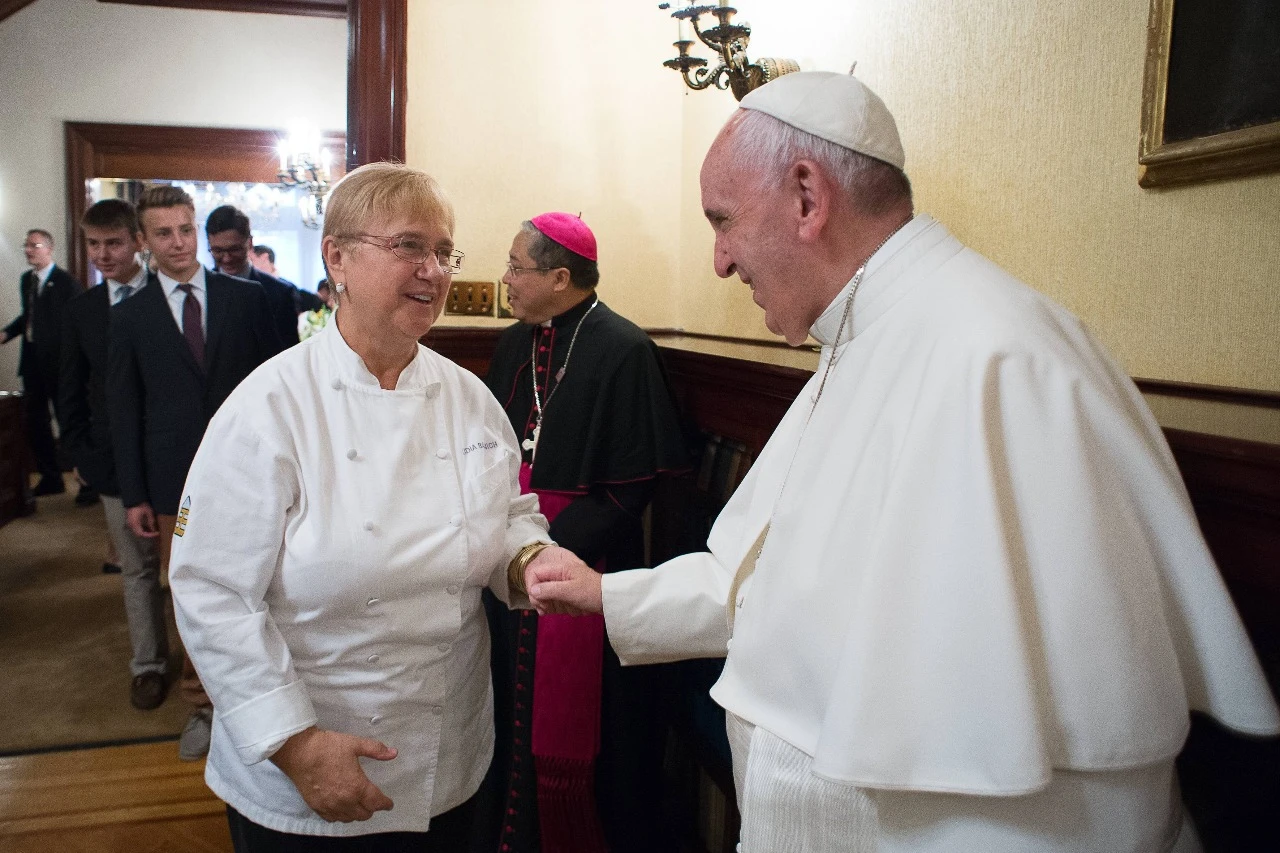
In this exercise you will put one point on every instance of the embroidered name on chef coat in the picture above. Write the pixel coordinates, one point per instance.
(184, 515)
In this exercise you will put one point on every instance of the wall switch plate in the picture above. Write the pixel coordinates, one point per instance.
(470, 298)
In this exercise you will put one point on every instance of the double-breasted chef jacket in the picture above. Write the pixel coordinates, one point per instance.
(331, 546)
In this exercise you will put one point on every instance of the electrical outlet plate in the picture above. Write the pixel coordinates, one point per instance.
(470, 298)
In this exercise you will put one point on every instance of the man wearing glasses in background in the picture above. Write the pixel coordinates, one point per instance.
(231, 244)
(46, 290)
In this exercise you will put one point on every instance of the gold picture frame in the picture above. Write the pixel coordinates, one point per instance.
(1232, 153)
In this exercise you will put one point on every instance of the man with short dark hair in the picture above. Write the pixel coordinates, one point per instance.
(585, 391)
(263, 257)
(231, 244)
(112, 242)
(177, 350)
(46, 289)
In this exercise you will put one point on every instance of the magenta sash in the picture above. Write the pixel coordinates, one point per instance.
(566, 716)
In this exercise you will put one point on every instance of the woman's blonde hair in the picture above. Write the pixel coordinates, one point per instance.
(378, 190)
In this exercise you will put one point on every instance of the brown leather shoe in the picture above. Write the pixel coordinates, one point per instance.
(148, 690)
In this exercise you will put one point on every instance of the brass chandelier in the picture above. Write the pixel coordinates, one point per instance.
(735, 71)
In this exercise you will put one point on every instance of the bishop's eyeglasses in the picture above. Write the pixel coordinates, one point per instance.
(414, 251)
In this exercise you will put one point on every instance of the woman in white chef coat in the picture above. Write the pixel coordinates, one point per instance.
(349, 502)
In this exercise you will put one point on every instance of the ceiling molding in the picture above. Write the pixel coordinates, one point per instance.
(311, 8)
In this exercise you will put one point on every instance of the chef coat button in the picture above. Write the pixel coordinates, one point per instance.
(442, 453)
(371, 602)
(337, 384)
(456, 520)
(375, 719)
(452, 589)
(374, 658)
(444, 648)
(351, 454)
(437, 710)
(432, 391)
(368, 525)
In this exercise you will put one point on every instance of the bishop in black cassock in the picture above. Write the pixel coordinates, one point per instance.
(578, 756)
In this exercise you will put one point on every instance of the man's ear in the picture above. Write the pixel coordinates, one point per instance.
(814, 193)
(560, 280)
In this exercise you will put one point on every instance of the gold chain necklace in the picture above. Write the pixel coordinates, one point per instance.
(844, 318)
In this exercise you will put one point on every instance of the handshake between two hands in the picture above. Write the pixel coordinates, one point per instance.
(558, 582)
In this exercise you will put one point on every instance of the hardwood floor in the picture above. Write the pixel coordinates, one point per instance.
(125, 799)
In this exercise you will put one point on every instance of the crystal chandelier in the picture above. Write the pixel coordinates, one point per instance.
(729, 40)
(305, 165)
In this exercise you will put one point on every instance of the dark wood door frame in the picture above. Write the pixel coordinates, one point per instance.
(148, 152)
(377, 50)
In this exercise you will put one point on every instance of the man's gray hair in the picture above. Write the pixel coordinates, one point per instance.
(769, 147)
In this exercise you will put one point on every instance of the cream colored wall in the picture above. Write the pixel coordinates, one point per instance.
(80, 60)
(1020, 120)
(519, 108)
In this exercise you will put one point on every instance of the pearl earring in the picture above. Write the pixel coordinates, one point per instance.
(339, 287)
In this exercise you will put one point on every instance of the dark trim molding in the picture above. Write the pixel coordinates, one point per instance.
(469, 348)
(148, 152)
(377, 70)
(310, 8)
(660, 334)
(1217, 393)
(8, 7)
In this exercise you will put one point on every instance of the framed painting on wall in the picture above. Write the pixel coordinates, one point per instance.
(1211, 93)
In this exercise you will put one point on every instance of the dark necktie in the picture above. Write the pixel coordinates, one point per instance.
(192, 329)
(31, 311)
(123, 292)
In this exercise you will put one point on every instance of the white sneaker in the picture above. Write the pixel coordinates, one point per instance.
(193, 744)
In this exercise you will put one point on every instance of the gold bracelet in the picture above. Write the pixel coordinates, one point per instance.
(521, 561)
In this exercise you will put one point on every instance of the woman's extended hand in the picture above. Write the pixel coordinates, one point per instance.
(325, 768)
(558, 582)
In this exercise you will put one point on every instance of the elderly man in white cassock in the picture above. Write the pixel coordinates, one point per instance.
(962, 593)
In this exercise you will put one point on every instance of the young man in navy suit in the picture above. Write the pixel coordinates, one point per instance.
(177, 350)
(231, 243)
(112, 242)
(46, 290)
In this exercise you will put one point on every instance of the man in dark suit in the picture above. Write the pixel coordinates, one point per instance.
(263, 257)
(112, 240)
(231, 243)
(46, 290)
(177, 350)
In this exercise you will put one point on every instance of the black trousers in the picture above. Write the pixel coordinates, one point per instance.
(38, 394)
(449, 833)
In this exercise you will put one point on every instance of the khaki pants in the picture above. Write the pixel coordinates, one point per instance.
(189, 687)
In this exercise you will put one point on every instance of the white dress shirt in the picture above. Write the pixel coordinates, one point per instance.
(136, 283)
(330, 552)
(177, 298)
(42, 276)
(982, 567)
